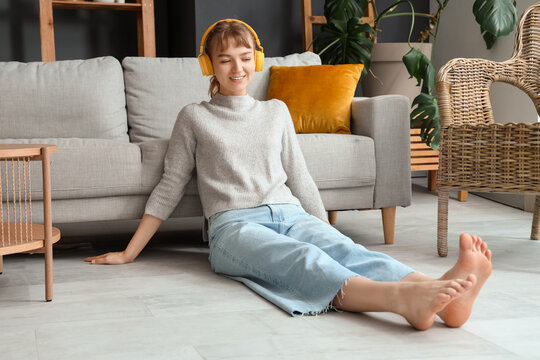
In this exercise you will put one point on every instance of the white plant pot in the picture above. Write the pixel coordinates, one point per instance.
(388, 67)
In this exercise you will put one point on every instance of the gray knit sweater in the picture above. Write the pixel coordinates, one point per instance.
(246, 154)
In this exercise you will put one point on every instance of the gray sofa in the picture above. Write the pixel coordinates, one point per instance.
(111, 122)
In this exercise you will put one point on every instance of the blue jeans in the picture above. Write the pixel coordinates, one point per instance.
(293, 259)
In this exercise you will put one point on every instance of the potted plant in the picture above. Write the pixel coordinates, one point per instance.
(344, 39)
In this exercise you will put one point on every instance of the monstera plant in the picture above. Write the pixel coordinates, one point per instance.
(344, 39)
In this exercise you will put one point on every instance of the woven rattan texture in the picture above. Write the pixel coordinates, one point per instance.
(476, 153)
(463, 84)
(491, 158)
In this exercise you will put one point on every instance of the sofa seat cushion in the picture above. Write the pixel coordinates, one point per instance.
(88, 168)
(334, 161)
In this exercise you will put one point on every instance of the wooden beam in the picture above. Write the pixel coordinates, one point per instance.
(46, 30)
(65, 4)
(307, 39)
(145, 29)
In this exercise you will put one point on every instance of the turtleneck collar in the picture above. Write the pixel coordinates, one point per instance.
(233, 102)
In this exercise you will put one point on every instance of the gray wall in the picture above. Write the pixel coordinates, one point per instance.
(83, 34)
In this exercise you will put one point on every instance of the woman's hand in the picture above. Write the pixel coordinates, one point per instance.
(147, 228)
(112, 258)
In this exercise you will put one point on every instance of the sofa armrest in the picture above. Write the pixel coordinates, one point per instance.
(385, 119)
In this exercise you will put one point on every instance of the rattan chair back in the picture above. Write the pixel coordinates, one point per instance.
(463, 84)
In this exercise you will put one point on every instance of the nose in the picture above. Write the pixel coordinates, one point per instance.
(237, 66)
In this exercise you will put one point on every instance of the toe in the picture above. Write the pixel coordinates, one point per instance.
(484, 248)
(488, 254)
(444, 298)
(462, 285)
(478, 244)
(466, 241)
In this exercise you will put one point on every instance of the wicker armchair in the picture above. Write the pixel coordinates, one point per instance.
(475, 153)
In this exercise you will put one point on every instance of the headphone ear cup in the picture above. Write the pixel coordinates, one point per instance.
(259, 60)
(206, 65)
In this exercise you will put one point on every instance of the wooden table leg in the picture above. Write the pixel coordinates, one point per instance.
(462, 195)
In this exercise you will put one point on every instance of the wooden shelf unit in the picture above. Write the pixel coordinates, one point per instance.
(145, 22)
(309, 20)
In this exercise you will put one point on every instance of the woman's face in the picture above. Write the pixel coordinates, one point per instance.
(234, 68)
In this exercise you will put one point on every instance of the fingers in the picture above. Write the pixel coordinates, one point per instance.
(100, 259)
(112, 258)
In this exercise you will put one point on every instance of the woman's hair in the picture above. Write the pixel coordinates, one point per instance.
(219, 39)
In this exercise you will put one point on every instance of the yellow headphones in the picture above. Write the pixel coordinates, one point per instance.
(206, 63)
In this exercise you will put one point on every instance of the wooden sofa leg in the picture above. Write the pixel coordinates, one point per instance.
(535, 231)
(332, 217)
(389, 222)
(1, 264)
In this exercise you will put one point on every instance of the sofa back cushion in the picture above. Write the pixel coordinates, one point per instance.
(63, 99)
(158, 88)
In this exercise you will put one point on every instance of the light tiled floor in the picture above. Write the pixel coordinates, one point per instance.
(169, 305)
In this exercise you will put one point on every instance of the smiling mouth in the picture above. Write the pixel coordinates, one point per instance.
(238, 77)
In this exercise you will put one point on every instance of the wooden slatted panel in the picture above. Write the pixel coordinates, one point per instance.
(422, 156)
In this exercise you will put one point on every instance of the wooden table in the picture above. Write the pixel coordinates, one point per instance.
(18, 232)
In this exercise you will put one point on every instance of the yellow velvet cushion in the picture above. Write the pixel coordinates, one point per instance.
(319, 97)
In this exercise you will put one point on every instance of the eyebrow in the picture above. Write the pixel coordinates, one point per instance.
(242, 54)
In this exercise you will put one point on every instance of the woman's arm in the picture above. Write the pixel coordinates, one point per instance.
(299, 180)
(178, 168)
(147, 228)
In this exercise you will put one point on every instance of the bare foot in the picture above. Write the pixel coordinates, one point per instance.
(420, 301)
(474, 258)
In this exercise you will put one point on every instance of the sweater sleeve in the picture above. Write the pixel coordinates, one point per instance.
(178, 167)
(299, 180)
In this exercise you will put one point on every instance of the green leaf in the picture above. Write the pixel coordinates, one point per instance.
(345, 42)
(420, 67)
(344, 9)
(496, 17)
(489, 39)
(426, 115)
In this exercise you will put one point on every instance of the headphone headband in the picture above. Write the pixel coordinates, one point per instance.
(203, 40)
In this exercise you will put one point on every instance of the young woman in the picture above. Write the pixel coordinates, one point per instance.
(267, 223)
